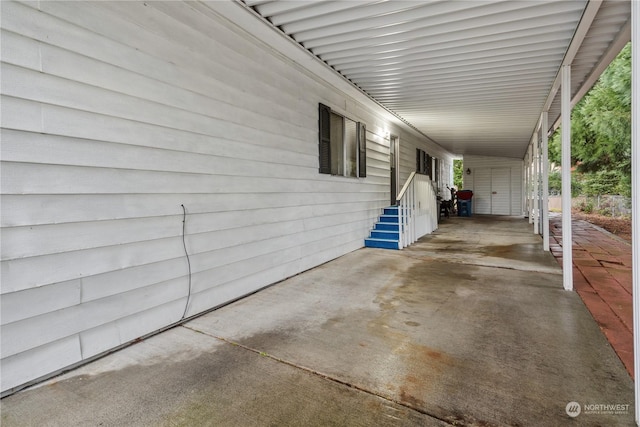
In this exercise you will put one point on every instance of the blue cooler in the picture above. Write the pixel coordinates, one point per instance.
(464, 207)
(464, 202)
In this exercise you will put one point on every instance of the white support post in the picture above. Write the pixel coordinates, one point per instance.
(525, 182)
(536, 181)
(545, 180)
(567, 238)
(525, 186)
(635, 193)
(530, 183)
(540, 173)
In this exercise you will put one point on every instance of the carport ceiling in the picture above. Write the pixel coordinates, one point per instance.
(474, 76)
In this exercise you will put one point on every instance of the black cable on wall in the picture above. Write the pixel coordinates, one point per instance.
(184, 244)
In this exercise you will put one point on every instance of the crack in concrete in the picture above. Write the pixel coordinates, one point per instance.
(321, 375)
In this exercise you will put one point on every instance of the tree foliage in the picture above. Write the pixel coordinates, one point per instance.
(555, 184)
(601, 131)
(600, 182)
(457, 174)
(603, 122)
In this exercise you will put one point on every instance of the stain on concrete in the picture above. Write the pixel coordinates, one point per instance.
(422, 367)
(267, 340)
(423, 273)
(521, 252)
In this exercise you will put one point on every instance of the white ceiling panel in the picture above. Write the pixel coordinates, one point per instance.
(472, 75)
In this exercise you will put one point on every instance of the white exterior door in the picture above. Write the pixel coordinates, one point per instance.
(501, 191)
(481, 201)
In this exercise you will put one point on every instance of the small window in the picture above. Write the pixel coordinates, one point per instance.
(427, 165)
(342, 145)
(423, 162)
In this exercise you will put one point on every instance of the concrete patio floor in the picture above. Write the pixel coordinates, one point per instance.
(470, 326)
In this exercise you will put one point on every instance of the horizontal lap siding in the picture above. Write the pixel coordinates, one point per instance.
(114, 115)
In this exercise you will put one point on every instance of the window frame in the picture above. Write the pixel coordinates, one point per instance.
(427, 165)
(326, 155)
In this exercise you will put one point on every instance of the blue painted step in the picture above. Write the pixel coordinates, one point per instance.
(381, 243)
(388, 218)
(386, 232)
(388, 226)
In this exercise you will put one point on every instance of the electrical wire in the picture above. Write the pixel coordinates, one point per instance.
(184, 244)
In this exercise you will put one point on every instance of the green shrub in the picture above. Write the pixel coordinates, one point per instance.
(587, 207)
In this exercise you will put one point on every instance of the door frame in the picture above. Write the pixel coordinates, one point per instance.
(394, 148)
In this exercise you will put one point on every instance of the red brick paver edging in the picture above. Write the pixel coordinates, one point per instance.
(602, 277)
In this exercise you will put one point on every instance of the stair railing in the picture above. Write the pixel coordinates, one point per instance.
(417, 209)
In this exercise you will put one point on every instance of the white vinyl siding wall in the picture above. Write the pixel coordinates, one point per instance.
(483, 171)
(114, 114)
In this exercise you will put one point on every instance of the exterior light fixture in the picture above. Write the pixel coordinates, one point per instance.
(468, 171)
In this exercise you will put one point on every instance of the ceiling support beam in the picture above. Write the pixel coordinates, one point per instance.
(620, 42)
(588, 16)
(635, 195)
(567, 238)
(614, 49)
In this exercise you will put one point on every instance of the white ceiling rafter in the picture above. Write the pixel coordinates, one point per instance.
(459, 47)
(430, 39)
(473, 75)
(441, 25)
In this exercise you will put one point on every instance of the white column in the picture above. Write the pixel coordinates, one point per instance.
(540, 173)
(635, 193)
(536, 181)
(525, 186)
(525, 194)
(539, 194)
(545, 180)
(567, 239)
(530, 183)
